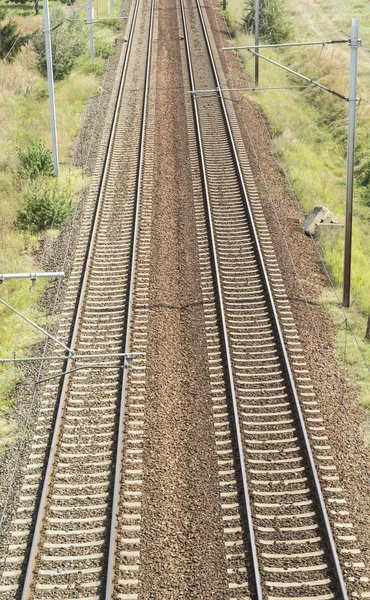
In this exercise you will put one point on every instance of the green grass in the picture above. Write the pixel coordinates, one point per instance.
(309, 130)
(24, 116)
(349, 352)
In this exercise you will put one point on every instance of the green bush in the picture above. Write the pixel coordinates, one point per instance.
(45, 206)
(68, 43)
(274, 22)
(87, 67)
(115, 24)
(11, 41)
(35, 160)
(103, 43)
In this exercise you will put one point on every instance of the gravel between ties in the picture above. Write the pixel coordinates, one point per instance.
(182, 537)
(263, 159)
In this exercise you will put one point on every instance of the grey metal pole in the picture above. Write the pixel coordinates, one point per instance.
(350, 164)
(49, 66)
(256, 36)
(90, 17)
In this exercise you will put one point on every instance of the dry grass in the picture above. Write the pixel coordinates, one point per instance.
(18, 77)
(28, 24)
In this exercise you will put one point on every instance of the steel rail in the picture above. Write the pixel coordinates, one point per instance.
(118, 469)
(307, 445)
(28, 580)
(223, 316)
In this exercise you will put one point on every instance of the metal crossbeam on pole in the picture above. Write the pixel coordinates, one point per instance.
(249, 89)
(32, 276)
(49, 68)
(74, 357)
(287, 45)
(106, 19)
(350, 164)
(309, 79)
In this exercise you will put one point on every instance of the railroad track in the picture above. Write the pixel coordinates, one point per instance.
(86, 540)
(272, 499)
(76, 537)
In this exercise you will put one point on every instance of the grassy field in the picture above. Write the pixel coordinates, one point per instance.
(24, 116)
(310, 134)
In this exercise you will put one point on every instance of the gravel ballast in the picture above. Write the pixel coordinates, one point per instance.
(281, 212)
(182, 538)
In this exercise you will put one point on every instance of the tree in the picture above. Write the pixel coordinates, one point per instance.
(11, 40)
(274, 26)
(68, 42)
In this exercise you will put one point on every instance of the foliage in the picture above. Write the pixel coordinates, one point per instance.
(45, 206)
(115, 24)
(35, 160)
(274, 22)
(103, 44)
(68, 43)
(11, 40)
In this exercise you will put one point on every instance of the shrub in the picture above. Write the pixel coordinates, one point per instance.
(274, 22)
(103, 44)
(115, 23)
(35, 160)
(365, 195)
(11, 41)
(68, 43)
(45, 206)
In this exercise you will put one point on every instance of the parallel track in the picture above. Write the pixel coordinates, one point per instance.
(86, 542)
(289, 534)
(80, 495)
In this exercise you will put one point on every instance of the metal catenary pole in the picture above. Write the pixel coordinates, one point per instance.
(350, 164)
(256, 36)
(90, 17)
(49, 66)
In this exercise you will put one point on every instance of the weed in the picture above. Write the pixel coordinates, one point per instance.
(114, 24)
(45, 206)
(275, 24)
(104, 43)
(35, 160)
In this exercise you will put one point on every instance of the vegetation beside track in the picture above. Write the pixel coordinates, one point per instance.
(24, 120)
(309, 129)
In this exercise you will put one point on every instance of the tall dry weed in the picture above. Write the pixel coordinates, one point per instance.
(28, 24)
(19, 77)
